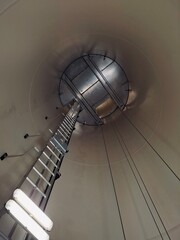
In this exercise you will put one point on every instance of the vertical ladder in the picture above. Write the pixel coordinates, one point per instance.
(43, 174)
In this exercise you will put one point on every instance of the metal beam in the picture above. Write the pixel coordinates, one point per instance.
(83, 102)
(103, 81)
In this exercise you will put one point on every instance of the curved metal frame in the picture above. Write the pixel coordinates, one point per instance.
(94, 54)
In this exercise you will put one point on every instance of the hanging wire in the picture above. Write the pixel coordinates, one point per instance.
(125, 146)
(132, 124)
(113, 183)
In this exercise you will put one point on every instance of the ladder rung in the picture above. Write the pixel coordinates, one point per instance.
(70, 118)
(34, 185)
(61, 127)
(50, 159)
(69, 121)
(66, 125)
(63, 149)
(55, 147)
(53, 153)
(57, 134)
(62, 135)
(35, 169)
(45, 166)
(65, 129)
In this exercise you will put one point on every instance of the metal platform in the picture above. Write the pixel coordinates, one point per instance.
(98, 83)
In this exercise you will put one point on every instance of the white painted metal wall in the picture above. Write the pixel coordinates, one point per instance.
(38, 39)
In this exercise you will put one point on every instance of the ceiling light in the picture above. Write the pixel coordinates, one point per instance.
(30, 207)
(29, 223)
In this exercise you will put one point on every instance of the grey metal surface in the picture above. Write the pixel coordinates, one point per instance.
(112, 74)
(95, 93)
(106, 84)
(76, 68)
(92, 79)
(80, 83)
(101, 62)
(83, 102)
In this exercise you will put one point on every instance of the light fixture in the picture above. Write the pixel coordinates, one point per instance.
(30, 207)
(29, 223)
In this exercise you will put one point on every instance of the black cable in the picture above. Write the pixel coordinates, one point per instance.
(113, 183)
(142, 183)
(151, 146)
(132, 124)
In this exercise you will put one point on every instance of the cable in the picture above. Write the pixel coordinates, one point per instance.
(151, 146)
(147, 141)
(142, 183)
(113, 183)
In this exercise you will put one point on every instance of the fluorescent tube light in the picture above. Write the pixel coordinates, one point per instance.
(29, 223)
(29, 206)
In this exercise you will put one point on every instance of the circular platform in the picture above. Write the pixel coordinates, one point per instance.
(98, 83)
